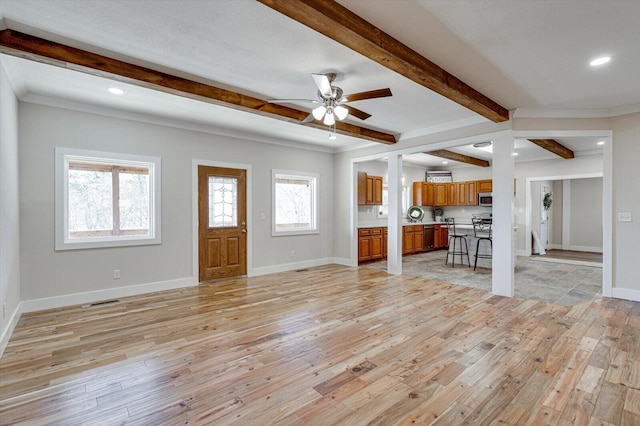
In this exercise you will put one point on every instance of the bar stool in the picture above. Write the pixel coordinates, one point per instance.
(482, 231)
(451, 225)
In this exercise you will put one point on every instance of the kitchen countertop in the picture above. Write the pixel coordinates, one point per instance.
(382, 223)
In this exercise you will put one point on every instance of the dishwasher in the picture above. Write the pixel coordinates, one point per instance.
(428, 238)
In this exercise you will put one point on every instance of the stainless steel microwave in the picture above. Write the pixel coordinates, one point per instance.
(485, 199)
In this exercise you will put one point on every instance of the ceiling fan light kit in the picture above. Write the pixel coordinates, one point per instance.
(332, 101)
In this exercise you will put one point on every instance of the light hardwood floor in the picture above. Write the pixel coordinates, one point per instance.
(327, 345)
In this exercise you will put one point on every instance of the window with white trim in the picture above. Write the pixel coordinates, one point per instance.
(295, 203)
(106, 199)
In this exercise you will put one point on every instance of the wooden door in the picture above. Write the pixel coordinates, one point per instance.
(222, 222)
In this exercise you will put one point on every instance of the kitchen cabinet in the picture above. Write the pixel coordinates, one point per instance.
(461, 193)
(369, 190)
(472, 193)
(485, 185)
(440, 194)
(422, 194)
(412, 239)
(440, 237)
(370, 244)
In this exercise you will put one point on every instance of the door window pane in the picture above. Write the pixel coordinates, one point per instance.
(223, 201)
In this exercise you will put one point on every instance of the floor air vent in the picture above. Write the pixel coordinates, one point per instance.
(301, 270)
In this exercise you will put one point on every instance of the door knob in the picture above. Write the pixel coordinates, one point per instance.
(244, 230)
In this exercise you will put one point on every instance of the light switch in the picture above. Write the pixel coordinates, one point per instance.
(263, 216)
(624, 216)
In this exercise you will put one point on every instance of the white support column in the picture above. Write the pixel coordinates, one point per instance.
(566, 214)
(503, 234)
(394, 244)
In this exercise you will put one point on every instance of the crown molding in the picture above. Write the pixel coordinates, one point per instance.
(575, 113)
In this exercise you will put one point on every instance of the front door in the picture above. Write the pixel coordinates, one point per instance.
(222, 222)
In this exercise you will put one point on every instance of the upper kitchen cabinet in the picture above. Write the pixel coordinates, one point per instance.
(485, 185)
(369, 190)
(440, 192)
(422, 194)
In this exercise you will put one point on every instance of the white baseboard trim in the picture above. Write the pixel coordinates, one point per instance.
(521, 252)
(626, 293)
(586, 248)
(298, 265)
(8, 329)
(111, 293)
(554, 246)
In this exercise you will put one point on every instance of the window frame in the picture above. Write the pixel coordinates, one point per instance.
(314, 178)
(62, 158)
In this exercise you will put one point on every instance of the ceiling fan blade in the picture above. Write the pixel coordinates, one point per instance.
(323, 83)
(371, 94)
(308, 119)
(288, 101)
(357, 113)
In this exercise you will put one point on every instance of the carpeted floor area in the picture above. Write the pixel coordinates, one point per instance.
(561, 283)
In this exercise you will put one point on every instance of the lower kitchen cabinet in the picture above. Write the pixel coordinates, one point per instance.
(440, 237)
(370, 244)
(412, 239)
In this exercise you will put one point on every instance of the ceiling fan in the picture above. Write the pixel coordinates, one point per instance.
(332, 102)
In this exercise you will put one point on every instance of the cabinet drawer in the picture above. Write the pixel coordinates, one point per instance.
(376, 231)
(364, 231)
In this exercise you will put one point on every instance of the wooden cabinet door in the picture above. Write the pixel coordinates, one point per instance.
(452, 197)
(472, 193)
(377, 190)
(385, 242)
(418, 238)
(428, 194)
(369, 200)
(485, 185)
(376, 244)
(362, 188)
(407, 240)
(364, 244)
(439, 194)
(444, 236)
(417, 194)
(461, 193)
(437, 237)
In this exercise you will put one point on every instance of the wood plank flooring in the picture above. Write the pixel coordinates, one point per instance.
(574, 255)
(328, 345)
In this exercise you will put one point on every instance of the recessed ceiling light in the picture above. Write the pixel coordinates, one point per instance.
(445, 162)
(116, 91)
(600, 142)
(600, 61)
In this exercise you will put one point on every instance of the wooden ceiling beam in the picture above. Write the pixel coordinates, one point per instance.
(450, 155)
(340, 24)
(37, 49)
(554, 146)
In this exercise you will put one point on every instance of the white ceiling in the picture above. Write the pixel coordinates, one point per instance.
(526, 55)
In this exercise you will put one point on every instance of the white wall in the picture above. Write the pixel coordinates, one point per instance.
(626, 198)
(9, 210)
(586, 214)
(47, 273)
(588, 164)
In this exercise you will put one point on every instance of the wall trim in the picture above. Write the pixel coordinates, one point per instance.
(586, 248)
(554, 247)
(626, 293)
(521, 253)
(285, 267)
(94, 296)
(8, 331)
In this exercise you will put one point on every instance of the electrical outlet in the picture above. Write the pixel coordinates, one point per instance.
(624, 216)
(293, 253)
(116, 274)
